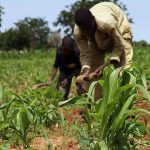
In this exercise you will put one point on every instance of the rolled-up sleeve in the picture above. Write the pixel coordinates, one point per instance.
(83, 46)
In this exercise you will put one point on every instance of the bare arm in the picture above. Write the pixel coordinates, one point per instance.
(99, 71)
(53, 74)
(54, 71)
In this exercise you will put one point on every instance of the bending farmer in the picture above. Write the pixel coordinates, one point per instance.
(104, 28)
(68, 63)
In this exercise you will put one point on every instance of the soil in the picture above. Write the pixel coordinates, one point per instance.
(144, 105)
(73, 115)
(145, 118)
(61, 142)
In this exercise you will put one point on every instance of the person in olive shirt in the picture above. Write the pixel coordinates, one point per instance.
(68, 62)
(102, 29)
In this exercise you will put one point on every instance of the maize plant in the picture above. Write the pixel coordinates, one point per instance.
(25, 116)
(110, 120)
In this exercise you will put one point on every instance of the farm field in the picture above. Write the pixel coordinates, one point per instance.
(34, 119)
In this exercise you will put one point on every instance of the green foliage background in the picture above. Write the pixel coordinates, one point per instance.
(19, 71)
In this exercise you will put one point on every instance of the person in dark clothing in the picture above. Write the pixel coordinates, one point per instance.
(68, 62)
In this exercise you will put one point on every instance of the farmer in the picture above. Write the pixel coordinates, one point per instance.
(102, 29)
(68, 62)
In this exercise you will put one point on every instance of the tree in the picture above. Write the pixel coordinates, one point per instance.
(14, 39)
(1, 13)
(6, 39)
(141, 44)
(66, 17)
(35, 29)
(28, 33)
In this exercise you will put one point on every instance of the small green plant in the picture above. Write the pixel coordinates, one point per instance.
(18, 121)
(20, 71)
(109, 119)
(26, 116)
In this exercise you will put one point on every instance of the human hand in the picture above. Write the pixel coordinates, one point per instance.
(83, 76)
(80, 79)
(86, 77)
(91, 76)
(61, 89)
(99, 70)
(80, 84)
(64, 82)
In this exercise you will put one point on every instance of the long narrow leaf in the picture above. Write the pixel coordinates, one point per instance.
(122, 112)
(101, 146)
(91, 90)
(144, 80)
(145, 92)
(76, 100)
(1, 93)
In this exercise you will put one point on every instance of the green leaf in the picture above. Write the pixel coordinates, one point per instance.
(62, 120)
(6, 147)
(1, 94)
(33, 103)
(117, 123)
(145, 92)
(132, 78)
(1, 116)
(101, 82)
(103, 145)
(30, 113)
(23, 121)
(91, 90)
(50, 116)
(118, 93)
(97, 146)
(47, 139)
(100, 146)
(80, 100)
(113, 83)
(144, 80)
(125, 87)
(88, 118)
(138, 110)
(3, 125)
(95, 115)
(6, 105)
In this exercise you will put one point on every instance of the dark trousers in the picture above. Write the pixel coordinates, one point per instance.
(63, 76)
(66, 88)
